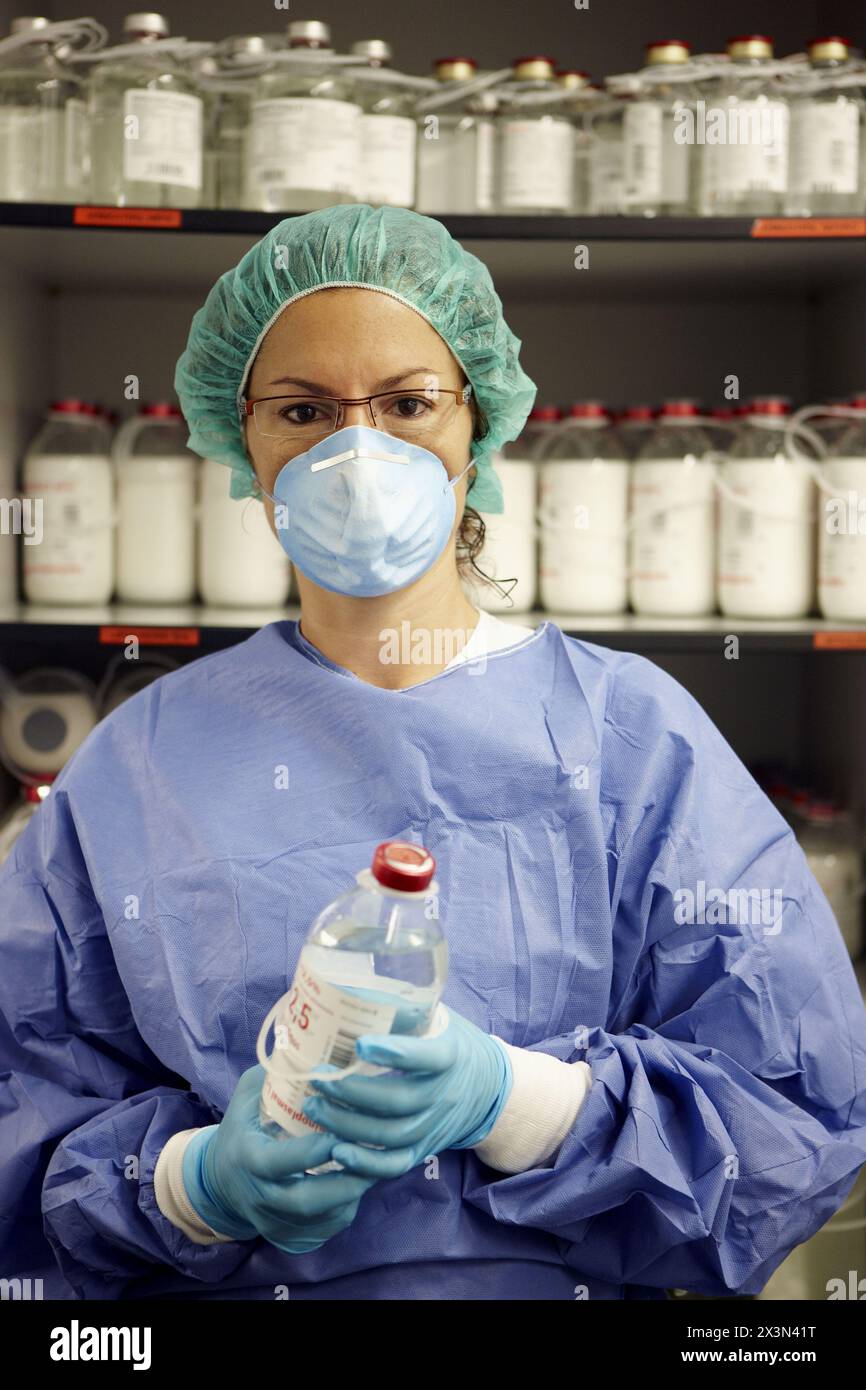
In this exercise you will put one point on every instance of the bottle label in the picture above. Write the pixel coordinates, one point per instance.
(766, 544)
(825, 147)
(606, 169)
(162, 138)
(31, 143)
(388, 159)
(484, 165)
(537, 163)
(642, 152)
(305, 142)
(755, 157)
(316, 1023)
(77, 539)
(673, 515)
(842, 533)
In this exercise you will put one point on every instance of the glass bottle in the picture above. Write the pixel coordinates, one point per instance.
(766, 521)
(455, 147)
(607, 153)
(656, 152)
(227, 134)
(826, 174)
(41, 123)
(304, 136)
(744, 136)
(672, 523)
(578, 95)
(146, 124)
(535, 142)
(387, 133)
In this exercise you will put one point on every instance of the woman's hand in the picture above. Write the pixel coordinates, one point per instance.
(446, 1092)
(244, 1183)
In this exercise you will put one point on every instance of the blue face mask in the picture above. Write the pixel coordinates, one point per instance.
(364, 513)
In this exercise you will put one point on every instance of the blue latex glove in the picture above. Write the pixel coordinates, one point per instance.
(447, 1093)
(245, 1184)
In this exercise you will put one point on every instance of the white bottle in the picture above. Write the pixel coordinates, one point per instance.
(375, 961)
(831, 845)
(156, 495)
(67, 470)
(304, 137)
(842, 525)
(656, 165)
(455, 165)
(744, 136)
(672, 521)
(41, 122)
(607, 153)
(241, 564)
(388, 133)
(583, 505)
(146, 124)
(579, 94)
(766, 521)
(826, 174)
(509, 553)
(45, 716)
(535, 140)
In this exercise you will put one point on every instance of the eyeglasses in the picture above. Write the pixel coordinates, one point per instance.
(406, 414)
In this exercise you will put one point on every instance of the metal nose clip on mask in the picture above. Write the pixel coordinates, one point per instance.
(364, 513)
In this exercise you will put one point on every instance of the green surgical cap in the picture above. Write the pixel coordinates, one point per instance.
(391, 249)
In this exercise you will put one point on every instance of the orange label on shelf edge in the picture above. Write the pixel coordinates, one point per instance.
(150, 636)
(808, 226)
(854, 641)
(86, 216)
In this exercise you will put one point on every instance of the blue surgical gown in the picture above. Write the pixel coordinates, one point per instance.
(156, 905)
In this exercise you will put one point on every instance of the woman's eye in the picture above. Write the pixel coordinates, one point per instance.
(411, 407)
(303, 414)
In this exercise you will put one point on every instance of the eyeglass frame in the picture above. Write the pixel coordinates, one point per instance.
(246, 407)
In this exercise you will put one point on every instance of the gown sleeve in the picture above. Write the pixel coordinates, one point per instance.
(85, 1106)
(726, 1120)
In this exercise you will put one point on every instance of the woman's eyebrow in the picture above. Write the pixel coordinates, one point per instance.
(317, 389)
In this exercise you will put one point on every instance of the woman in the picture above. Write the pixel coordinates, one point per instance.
(634, 1091)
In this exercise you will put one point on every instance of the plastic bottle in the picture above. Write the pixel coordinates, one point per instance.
(45, 716)
(535, 142)
(68, 470)
(146, 124)
(304, 137)
(766, 535)
(509, 552)
(456, 146)
(156, 494)
(832, 848)
(826, 173)
(656, 166)
(578, 96)
(240, 562)
(672, 522)
(842, 524)
(745, 172)
(42, 123)
(583, 505)
(388, 133)
(375, 961)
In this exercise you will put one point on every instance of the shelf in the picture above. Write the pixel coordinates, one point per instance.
(196, 630)
(655, 256)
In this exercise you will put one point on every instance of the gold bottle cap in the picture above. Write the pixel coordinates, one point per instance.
(750, 46)
(572, 79)
(529, 69)
(668, 51)
(455, 69)
(829, 49)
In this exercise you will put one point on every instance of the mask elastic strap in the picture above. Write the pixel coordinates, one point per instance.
(452, 482)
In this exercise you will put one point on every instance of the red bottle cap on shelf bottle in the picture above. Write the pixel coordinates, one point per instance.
(399, 864)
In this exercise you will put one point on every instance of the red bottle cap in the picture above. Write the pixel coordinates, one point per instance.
(407, 867)
(588, 410)
(677, 407)
(70, 405)
(164, 408)
(545, 412)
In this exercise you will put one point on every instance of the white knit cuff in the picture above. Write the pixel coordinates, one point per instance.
(542, 1106)
(171, 1195)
